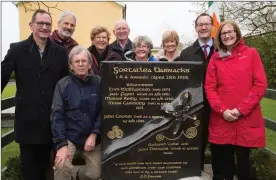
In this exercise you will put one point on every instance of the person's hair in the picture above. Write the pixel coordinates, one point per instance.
(170, 35)
(218, 43)
(140, 39)
(78, 49)
(97, 30)
(204, 14)
(39, 11)
(66, 13)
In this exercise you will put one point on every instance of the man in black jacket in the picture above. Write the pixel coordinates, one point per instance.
(201, 50)
(122, 44)
(38, 65)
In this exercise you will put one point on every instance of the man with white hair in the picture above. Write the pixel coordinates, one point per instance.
(66, 27)
(122, 44)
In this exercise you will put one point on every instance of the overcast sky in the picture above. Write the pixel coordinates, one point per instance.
(144, 18)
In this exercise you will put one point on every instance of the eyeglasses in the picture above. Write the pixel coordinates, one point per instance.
(40, 24)
(204, 24)
(101, 37)
(230, 33)
(142, 47)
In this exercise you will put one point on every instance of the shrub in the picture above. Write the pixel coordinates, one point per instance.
(13, 171)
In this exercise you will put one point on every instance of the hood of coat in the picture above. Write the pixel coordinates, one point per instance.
(161, 54)
(130, 56)
(221, 54)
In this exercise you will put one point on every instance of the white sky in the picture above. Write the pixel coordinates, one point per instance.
(144, 18)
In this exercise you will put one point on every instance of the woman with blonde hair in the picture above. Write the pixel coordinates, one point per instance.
(170, 44)
(99, 49)
(235, 84)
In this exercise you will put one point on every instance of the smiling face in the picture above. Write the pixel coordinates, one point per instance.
(100, 41)
(66, 26)
(121, 30)
(204, 27)
(228, 36)
(142, 52)
(41, 26)
(170, 45)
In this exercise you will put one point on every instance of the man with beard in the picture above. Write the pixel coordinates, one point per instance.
(201, 51)
(38, 65)
(66, 27)
(122, 44)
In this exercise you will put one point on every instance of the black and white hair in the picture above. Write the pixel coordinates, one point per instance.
(78, 49)
(142, 39)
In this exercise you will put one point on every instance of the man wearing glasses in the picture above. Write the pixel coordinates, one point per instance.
(38, 65)
(201, 51)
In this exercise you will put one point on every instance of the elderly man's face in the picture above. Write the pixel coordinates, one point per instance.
(80, 64)
(142, 51)
(121, 31)
(66, 26)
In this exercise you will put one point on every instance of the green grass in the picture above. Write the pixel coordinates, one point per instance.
(8, 151)
(9, 91)
(268, 109)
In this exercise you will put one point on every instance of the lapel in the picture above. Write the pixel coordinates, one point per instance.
(198, 50)
(48, 55)
(34, 56)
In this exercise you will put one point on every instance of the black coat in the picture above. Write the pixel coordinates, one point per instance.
(36, 78)
(195, 53)
(116, 48)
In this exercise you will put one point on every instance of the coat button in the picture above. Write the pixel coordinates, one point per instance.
(42, 92)
(41, 109)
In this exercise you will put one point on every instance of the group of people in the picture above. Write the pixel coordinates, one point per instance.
(58, 98)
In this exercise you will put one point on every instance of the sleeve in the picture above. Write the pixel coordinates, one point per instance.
(211, 88)
(258, 88)
(7, 66)
(65, 59)
(97, 121)
(57, 119)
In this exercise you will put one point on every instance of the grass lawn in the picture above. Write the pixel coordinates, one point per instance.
(8, 151)
(268, 109)
(9, 91)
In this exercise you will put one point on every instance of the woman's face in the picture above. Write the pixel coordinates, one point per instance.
(100, 41)
(142, 51)
(228, 35)
(170, 45)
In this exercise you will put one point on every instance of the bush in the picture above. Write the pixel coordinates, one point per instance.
(13, 171)
(264, 163)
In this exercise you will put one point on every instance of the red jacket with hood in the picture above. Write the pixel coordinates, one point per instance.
(236, 81)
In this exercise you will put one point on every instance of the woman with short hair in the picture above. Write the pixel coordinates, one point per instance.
(99, 49)
(170, 44)
(235, 84)
(142, 46)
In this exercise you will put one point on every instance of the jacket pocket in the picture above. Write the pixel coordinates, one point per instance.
(254, 119)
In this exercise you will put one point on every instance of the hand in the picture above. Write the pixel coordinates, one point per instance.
(236, 112)
(62, 154)
(228, 116)
(90, 142)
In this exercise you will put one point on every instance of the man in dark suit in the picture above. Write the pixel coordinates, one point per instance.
(201, 50)
(38, 65)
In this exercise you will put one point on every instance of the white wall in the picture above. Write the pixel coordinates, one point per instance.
(10, 26)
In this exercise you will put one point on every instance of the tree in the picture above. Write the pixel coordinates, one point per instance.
(38, 5)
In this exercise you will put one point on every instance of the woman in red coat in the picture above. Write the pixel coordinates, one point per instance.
(235, 84)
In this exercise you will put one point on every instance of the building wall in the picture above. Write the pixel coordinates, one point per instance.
(88, 15)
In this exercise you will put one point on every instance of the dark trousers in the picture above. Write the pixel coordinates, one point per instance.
(205, 133)
(35, 161)
(223, 162)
